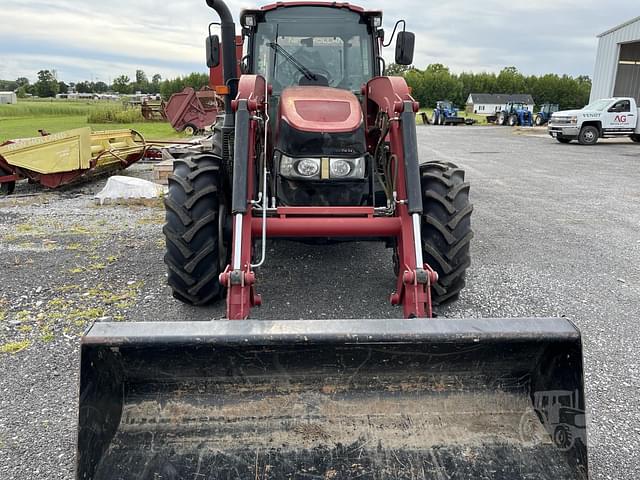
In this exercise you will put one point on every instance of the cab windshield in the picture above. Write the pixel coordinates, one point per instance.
(313, 46)
(598, 105)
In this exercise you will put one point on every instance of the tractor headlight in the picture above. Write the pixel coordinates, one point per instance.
(340, 168)
(308, 167)
(323, 168)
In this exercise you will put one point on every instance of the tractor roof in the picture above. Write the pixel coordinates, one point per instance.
(348, 6)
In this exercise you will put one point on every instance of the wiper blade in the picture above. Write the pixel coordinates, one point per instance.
(291, 59)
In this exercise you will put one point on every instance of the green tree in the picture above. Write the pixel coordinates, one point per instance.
(84, 87)
(121, 84)
(142, 82)
(100, 87)
(194, 80)
(63, 87)
(395, 70)
(22, 92)
(510, 80)
(47, 84)
(155, 83)
(22, 81)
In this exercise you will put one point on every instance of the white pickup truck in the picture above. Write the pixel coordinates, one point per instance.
(608, 117)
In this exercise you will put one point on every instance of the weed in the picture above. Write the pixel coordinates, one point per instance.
(58, 303)
(68, 288)
(15, 347)
(47, 335)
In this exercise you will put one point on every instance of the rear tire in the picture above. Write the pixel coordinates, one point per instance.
(635, 138)
(7, 188)
(513, 120)
(446, 228)
(539, 121)
(192, 229)
(588, 135)
(563, 139)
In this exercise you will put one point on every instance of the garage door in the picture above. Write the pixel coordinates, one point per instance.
(628, 77)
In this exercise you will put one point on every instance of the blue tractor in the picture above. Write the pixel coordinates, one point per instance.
(546, 110)
(515, 114)
(445, 113)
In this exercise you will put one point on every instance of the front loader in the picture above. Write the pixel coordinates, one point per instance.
(315, 143)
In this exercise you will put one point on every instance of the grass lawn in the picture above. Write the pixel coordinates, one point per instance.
(26, 117)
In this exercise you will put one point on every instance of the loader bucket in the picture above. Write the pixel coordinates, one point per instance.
(354, 399)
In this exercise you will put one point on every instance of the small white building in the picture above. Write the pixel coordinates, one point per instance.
(8, 97)
(617, 69)
(489, 103)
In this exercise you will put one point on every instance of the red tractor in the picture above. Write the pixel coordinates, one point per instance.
(315, 142)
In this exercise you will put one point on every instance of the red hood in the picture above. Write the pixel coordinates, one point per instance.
(320, 109)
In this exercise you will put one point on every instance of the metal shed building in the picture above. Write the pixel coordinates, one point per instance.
(617, 70)
(8, 97)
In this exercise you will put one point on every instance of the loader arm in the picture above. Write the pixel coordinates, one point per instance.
(384, 95)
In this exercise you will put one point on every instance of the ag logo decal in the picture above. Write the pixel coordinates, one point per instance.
(620, 118)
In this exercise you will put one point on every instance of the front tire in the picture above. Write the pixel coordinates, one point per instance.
(513, 121)
(192, 232)
(563, 139)
(539, 121)
(446, 228)
(588, 135)
(501, 119)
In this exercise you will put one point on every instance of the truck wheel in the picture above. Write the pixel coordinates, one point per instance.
(635, 138)
(446, 227)
(539, 121)
(563, 139)
(190, 130)
(194, 239)
(588, 135)
(513, 120)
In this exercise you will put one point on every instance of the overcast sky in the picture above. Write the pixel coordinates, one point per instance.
(99, 40)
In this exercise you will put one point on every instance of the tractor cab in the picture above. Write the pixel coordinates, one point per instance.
(316, 45)
(316, 59)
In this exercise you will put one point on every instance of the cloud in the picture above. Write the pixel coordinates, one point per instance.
(105, 39)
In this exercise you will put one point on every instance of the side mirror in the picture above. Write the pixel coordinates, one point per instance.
(405, 43)
(213, 51)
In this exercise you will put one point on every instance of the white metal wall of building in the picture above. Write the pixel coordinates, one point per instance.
(604, 75)
(8, 97)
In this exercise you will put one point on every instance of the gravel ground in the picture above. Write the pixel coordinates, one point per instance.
(557, 233)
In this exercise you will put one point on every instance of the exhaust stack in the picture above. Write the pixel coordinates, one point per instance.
(229, 60)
